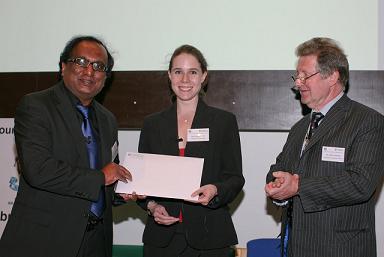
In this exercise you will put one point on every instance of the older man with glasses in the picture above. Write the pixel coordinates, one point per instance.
(331, 165)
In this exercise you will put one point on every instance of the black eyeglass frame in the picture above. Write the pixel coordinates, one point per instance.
(303, 79)
(84, 63)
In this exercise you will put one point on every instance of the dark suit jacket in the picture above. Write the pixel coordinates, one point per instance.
(205, 227)
(334, 212)
(51, 209)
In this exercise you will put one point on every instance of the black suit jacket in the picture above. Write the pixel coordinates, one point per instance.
(205, 227)
(51, 208)
(334, 212)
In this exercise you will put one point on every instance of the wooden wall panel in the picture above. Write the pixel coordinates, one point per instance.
(261, 100)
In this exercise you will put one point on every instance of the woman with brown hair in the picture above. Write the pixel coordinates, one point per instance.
(203, 228)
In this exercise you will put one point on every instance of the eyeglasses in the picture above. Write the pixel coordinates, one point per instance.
(83, 62)
(303, 79)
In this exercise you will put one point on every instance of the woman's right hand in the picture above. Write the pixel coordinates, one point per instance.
(160, 214)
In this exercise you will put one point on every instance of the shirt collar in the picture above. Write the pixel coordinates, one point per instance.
(329, 105)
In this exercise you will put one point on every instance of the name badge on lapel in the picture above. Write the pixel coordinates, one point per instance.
(198, 135)
(332, 154)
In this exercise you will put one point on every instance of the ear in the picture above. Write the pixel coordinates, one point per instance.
(63, 67)
(334, 77)
(169, 75)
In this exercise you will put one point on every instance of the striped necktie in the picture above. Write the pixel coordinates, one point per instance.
(315, 119)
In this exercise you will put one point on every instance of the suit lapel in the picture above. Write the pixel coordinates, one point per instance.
(300, 135)
(102, 122)
(65, 108)
(168, 131)
(201, 120)
(333, 118)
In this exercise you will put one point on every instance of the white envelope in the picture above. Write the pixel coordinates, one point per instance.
(162, 175)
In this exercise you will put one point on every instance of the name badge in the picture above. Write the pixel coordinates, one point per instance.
(198, 135)
(114, 151)
(332, 154)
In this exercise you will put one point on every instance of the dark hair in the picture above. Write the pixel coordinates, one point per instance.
(330, 57)
(188, 49)
(71, 44)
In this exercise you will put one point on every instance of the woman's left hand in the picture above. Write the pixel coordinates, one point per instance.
(205, 193)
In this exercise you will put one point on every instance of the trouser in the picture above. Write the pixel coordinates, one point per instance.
(178, 247)
(93, 244)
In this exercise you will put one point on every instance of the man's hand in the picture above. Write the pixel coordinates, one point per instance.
(284, 186)
(113, 172)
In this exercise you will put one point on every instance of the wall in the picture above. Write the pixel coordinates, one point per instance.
(239, 35)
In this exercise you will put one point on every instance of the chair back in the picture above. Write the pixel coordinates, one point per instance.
(264, 247)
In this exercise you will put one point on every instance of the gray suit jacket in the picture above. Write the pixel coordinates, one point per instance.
(334, 211)
(51, 208)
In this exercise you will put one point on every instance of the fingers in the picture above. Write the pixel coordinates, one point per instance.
(197, 192)
(124, 173)
(191, 201)
(113, 172)
(283, 187)
(165, 220)
(161, 216)
(280, 180)
(279, 174)
(128, 197)
(267, 189)
(274, 184)
(272, 190)
(132, 197)
(204, 200)
(205, 193)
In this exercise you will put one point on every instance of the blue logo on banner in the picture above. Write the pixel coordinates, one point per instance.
(13, 184)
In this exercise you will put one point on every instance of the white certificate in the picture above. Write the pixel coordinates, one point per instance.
(162, 175)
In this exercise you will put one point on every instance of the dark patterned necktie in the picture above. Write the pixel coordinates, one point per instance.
(97, 208)
(315, 119)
